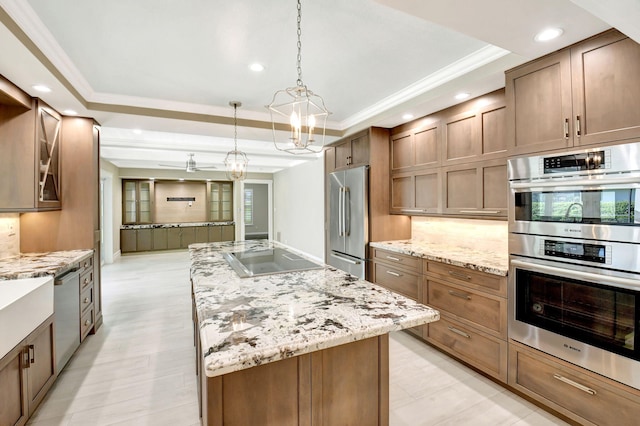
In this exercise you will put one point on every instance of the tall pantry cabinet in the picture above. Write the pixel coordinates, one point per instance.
(77, 224)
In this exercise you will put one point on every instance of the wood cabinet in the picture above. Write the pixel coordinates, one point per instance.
(26, 374)
(148, 239)
(77, 224)
(585, 94)
(137, 201)
(473, 312)
(452, 162)
(476, 189)
(220, 201)
(416, 148)
(583, 396)
(346, 384)
(30, 141)
(472, 306)
(352, 151)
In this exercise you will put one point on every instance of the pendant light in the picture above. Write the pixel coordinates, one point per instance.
(236, 161)
(302, 109)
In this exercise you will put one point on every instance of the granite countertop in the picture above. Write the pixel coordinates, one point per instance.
(246, 322)
(175, 225)
(496, 263)
(33, 265)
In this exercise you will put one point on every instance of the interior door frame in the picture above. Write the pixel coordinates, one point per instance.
(240, 229)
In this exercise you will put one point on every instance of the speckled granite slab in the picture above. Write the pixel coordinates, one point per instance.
(496, 263)
(246, 322)
(175, 225)
(33, 265)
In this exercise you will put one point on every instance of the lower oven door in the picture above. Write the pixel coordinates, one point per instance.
(586, 316)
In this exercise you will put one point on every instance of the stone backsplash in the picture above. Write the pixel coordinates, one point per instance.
(490, 235)
(9, 235)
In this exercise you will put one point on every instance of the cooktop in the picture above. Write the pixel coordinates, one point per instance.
(267, 262)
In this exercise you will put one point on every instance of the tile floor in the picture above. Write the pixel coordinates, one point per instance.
(139, 368)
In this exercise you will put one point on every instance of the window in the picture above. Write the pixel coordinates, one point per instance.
(248, 206)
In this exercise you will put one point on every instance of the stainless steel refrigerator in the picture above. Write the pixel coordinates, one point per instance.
(348, 220)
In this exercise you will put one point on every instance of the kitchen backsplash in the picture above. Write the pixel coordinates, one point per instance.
(490, 235)
(9, 235)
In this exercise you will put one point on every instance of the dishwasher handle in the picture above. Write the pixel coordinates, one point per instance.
(67, 276)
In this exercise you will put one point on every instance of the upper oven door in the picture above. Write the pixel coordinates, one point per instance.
(601, 208)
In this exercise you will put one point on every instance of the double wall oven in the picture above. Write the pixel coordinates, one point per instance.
(574, 241)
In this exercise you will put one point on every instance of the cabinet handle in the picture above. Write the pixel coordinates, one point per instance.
(395, 259)
(87, 322)
(566, 128)
(577, 385)
(86, 264)
(460, 275)
(395, 274)
(460, 332)
(25, 358)
(32, 354)
(480, 211)
(86, 300)
(460, 295)
(578, 126)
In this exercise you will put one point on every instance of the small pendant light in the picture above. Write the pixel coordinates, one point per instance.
(236, 161)
(304, 111)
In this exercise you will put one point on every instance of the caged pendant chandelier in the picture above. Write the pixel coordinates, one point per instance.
(304, 111)
(236, 161)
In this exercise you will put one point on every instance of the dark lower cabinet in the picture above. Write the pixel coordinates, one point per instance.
(173, 238)
(148, 239)
(160, 241)
(26, 374)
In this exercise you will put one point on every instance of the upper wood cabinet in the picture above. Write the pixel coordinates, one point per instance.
(352, 151)
(416, 148)
(417, 192)
(137, 201)
(30, 142)
(586, 94)
(220, 201)
(475, 135)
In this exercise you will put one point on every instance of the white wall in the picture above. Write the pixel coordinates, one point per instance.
(299, 207)
(112, 212)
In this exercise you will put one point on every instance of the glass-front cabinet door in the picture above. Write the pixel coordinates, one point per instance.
(220, 195)
(137, 201)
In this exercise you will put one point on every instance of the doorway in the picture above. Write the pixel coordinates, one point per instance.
(257, 209)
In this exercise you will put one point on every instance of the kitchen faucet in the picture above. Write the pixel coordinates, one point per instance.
(566, 214)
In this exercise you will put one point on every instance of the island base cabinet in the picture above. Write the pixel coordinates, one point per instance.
(347, 384)
(581, 395)
(13, 388)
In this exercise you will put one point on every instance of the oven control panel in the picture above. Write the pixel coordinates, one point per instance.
(594, 253)
(593, 160)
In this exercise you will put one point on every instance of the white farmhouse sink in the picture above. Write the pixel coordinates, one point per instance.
(24, 305)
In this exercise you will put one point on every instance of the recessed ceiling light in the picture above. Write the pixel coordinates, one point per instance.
(70, 112)
(407, 116)
(256, 67)
(41, 88)
(548, 34)
(461, 96)
(137, 131)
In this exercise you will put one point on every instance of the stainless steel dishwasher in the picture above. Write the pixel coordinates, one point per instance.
(66, 295)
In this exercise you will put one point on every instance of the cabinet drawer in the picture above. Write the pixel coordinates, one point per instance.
(398, 260)
(86, 279)
(398, 280)
(86, 299)
(484, 311)
(86, 323)
(480, 280)
(86, 264)
(485, 352)
(577, 393)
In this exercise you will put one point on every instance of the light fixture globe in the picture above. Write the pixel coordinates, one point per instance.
(307, 118)
(236, 162)
(303, 110)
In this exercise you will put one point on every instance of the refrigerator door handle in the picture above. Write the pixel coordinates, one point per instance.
(347, 211)
(340, 218)
(346, 259)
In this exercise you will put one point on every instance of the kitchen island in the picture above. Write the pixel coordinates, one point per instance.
(307, 347)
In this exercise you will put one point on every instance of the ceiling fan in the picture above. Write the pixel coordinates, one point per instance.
(190, 165)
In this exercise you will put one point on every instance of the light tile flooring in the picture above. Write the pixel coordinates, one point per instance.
(139, 368)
